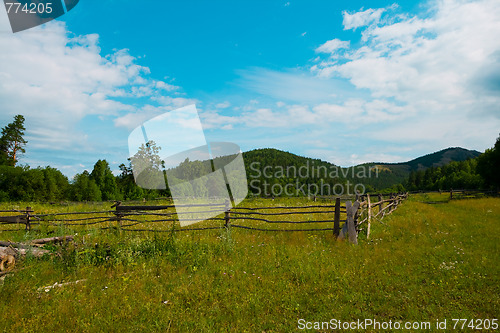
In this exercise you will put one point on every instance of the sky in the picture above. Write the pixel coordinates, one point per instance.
(344, 81)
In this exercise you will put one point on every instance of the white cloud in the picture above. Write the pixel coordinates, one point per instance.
(355, 159)
(56, 80)
(441, 71)
(74, 97)
(294, 86)
(136, 117)
(214, 120)
(332, 46)
(360, 19)
(426, 82)
(223, 105)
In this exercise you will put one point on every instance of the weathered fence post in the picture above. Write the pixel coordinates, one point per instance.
(381, 204)
(117, 213)
(227, 217)
(391, 203)
(369, 216)
(351, 228)
(28, 223)
(356, 217)
(336, 219)
(451, 194)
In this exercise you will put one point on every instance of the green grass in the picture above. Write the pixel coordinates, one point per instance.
(425, 262)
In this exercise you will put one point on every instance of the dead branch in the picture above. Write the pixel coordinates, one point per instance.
(37, 242)
(58, 285)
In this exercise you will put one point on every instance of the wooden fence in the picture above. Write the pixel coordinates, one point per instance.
(471, 194)
(341, 219)
(375, 211)
(461, 193)
(21, 217)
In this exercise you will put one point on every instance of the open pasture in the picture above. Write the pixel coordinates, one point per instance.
(424, 262)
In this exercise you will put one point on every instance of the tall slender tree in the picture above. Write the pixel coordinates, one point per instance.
(105, 180)
(12, 142)
(488, 165)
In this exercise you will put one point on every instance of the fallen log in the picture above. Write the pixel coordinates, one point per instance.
(15, 245)
(41, 241)
(52, 240)
(9, 251)
(34, 251)
(7, 263)
(9, 254)
(7, 258)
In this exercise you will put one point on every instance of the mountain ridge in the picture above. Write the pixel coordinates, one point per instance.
(387, 174)
(448, 155)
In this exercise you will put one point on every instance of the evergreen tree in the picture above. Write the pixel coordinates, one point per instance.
(12, 142)
(126, 184)
(85, 188)
(105, 180)
(488, 165)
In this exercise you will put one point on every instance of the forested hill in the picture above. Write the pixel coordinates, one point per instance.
(440, 158)
(389, 174)
(396, 173)
(274, 157)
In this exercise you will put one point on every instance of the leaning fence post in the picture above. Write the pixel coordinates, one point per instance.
(380, 198)
(118, 214)
(336, 219)
(356, 217)
(227, 217)
(351, 228)
(28, 223)
(392, 203)
(369, 216)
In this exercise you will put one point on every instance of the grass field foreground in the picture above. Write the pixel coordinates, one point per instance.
(425, 262)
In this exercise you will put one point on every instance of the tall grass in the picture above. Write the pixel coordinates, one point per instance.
(425, 262)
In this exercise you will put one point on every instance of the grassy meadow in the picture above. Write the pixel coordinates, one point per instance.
(425, 262)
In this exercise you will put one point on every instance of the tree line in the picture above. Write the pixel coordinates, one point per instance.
(22, 183)
(481, 172)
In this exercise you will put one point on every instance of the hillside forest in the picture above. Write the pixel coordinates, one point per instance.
(451, 168)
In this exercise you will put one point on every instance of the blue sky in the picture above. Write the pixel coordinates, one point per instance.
(344, 81)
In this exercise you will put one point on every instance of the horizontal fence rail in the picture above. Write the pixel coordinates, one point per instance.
(344, 218)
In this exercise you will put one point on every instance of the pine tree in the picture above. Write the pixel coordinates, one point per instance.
(488, 165)
(105, 180)
(12, 142)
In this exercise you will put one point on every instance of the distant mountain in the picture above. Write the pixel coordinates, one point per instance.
(441, 158)
(396, 173)
(278, 158)
(287, 167)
